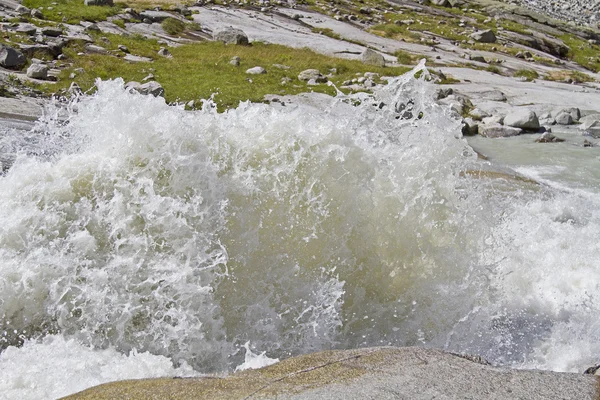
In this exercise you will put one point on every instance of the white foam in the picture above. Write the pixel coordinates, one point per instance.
(254, 360)
(55, 367)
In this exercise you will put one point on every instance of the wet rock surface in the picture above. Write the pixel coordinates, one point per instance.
(371, 373)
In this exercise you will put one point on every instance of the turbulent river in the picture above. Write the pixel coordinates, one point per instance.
(139, 240)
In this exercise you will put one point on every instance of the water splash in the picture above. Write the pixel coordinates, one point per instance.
(139, 226)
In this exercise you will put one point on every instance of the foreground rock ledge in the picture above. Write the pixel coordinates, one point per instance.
(375, 373)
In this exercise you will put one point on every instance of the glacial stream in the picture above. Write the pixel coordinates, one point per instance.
(141, 240)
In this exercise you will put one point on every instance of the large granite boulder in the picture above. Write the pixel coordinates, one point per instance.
(11, 58)
(523, 118)
(590, 125)
(574, 112)
(373, 373)
(372, 57)
(486, 36)
(232, 36)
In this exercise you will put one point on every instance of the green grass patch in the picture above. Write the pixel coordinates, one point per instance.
(73, 10)
(406, 58)
(119, 22)
(493, 69)
(173, 26)
(326, 32)
(199, 70)
(528, 74)
(583, 53)
(4, 92)
(568, 75)
(515, 27)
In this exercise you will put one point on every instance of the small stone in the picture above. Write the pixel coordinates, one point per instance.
(37, 71)
(256, 71)
(564, 119)
(36, 13)
(235, 61)
(92, 48)
(51, 31)
(28, 29)
(11, 58)
(587, 143)
(470, 127)
(152, 87)
(309, 74)
(98, 3)
(478, 114)
(477, 58)
(123, 48)
(548, 137)
(164, 52)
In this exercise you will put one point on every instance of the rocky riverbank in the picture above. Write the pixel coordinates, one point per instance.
(374, 373)
(41, 57)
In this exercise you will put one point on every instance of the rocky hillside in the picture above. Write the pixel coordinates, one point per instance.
(246, 50)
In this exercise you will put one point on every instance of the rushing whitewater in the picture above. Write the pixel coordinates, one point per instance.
(140, 237)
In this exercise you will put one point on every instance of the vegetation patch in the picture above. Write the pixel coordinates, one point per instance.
(568, 76)
(73, 11)
(494, 69)
(406, 58)
(326, 32)
(173, 26)
(583, 53)
(200, 70)
(4, 92)
(528, 74)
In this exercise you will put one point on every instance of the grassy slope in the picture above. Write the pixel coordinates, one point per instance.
(201, 69)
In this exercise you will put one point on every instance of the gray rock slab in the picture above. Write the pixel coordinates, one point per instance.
(156, 16)
(372, 373)
(297, 33)
(28, 29)
(133, 58)
(51, 31)
(21, 108)
(10, 4)
(540, 96)
(109, 27)
(498, 131)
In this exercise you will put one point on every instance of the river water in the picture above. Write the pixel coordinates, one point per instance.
(141, 240)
